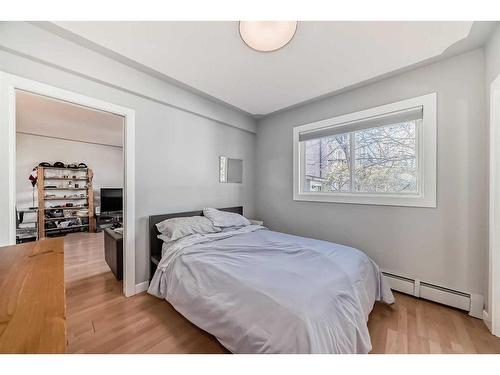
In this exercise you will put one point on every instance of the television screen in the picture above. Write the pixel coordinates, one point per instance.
(111, 199)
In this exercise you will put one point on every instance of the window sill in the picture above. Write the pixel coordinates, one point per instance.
(370, 199)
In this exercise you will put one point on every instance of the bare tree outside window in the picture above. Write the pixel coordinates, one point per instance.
(384, 161)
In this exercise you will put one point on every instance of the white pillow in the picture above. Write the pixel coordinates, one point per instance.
(225, 219)
(179, 227)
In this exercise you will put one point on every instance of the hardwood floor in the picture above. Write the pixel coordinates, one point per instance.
(101, 320)
(414, 325)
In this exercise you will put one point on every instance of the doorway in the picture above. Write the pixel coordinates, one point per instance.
(13, 90)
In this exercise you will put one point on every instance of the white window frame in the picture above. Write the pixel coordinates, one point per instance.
(426, 158)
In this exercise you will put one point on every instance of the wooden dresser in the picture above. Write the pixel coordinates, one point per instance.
(32, 300)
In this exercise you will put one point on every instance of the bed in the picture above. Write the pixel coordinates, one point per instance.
(259, 291)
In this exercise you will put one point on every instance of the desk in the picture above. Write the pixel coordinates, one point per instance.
(32, 300)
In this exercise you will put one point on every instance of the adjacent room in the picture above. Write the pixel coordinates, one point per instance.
(250, 187)
(69, 183)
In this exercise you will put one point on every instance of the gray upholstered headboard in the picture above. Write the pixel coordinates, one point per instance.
(155, 243)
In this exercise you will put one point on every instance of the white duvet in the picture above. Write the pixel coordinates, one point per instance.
(259, 291)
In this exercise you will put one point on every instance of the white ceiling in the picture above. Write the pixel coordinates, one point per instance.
(41, 115)
(323, 57)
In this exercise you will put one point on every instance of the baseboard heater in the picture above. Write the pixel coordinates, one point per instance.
(470, 302)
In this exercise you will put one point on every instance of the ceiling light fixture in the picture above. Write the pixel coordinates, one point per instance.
(267, 36)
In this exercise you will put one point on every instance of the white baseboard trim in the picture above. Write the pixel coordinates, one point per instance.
(486, 319)
(476, 306)
(142, 287)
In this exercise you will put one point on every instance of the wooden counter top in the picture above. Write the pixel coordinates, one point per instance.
(32, 300)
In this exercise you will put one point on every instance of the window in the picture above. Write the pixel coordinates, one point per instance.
(384, 155)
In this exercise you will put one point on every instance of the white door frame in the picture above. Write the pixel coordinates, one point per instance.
(493, 315)
(8, 84)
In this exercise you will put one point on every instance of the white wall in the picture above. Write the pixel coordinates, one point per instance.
(492, 70)
(492, 56)
(446, 245)
(177, 149)
(106, 162)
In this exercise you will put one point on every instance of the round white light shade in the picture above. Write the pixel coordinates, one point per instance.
(267, 36)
